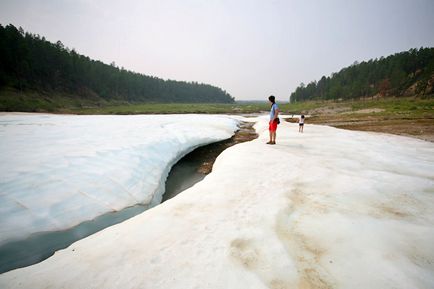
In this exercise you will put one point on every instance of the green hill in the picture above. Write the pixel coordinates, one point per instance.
(406, 73)
(36, 74)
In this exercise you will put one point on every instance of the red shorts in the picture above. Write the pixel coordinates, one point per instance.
(272, 126)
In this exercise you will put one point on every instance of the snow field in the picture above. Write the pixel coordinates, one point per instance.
(60, 170)
(327, 208)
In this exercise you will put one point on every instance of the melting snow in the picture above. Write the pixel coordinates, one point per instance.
(60, 170)
(325, 209)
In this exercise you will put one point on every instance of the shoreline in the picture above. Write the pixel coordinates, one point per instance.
(422, 129)
(373, 121)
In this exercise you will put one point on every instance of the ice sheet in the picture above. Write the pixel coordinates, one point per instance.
(328, 208)
(59, 170)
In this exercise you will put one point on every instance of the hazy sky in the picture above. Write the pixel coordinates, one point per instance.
(249, 48)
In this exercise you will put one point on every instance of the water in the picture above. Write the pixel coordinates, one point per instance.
(40, 246)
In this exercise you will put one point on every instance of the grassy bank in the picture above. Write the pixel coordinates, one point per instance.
(409, 107)
(410, 116)
(13, 100)
(169, 108)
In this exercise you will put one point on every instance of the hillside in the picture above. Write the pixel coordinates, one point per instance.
(35, 70)
(406, 73)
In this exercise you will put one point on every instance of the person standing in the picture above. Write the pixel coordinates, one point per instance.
(301, 123)
(274, 113)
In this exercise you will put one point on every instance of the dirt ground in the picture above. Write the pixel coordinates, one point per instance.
(421, 128)
(209, 153)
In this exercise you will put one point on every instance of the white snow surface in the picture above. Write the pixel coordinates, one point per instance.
(328, 208)
(60, 170)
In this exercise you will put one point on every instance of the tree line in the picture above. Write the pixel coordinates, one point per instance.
(29, 62)
(405, 73)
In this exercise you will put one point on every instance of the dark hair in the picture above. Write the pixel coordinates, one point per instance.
(302, 116)
(272, 98)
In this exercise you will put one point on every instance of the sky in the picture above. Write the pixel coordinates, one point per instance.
(251, 49)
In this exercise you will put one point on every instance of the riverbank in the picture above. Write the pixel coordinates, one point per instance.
(420, 128)
(325, 209)
(413, 117)
(408, 116)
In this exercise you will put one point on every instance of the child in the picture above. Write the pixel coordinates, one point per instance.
(301, 123)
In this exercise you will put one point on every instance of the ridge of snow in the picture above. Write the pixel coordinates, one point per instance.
(60, 170)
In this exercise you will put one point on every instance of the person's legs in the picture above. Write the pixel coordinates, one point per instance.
(302, 128)
(272, 128)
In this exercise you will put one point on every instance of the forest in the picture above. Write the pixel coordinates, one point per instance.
(406, 73)
(31, 64)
